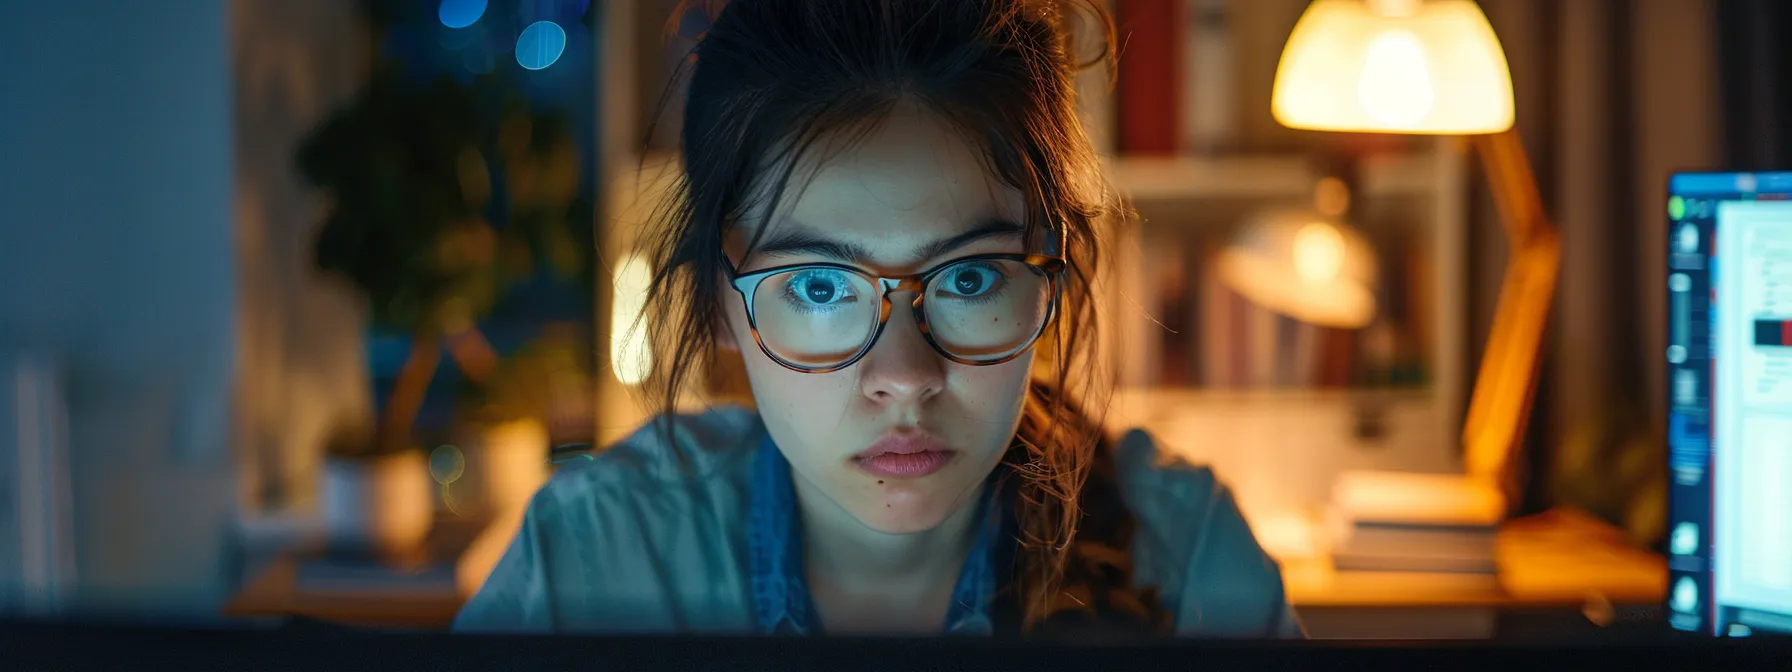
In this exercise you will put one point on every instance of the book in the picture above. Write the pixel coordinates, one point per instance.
(1215, 333)
(1168, 269)
(1353, 561)
(1409, 522)
(1420, 539)
(1208, 73)
(1149, 82)
(1419, 548)
(1387, 497)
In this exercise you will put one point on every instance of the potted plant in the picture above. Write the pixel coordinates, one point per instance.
(505, 425)
(441, 198)
(376, 498)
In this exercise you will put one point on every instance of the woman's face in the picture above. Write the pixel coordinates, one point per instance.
(907, 196)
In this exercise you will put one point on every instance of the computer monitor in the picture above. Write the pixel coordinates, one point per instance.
(1729, 362)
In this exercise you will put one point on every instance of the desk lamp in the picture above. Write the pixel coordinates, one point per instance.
(1436, 68)
(1306, 263)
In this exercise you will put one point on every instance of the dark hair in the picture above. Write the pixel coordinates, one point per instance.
(771, 77)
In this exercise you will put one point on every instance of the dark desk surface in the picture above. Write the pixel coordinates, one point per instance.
(1557, 560)
(71, 647)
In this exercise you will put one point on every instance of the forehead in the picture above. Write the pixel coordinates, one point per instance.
(909, 180)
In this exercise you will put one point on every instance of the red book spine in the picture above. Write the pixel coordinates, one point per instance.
(1148, 93)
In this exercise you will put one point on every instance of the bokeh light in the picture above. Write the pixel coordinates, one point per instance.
(447, 464)
(1318, 252)
(460, 13)
(540, 45)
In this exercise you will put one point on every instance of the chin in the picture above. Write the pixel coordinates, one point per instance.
(906, 512)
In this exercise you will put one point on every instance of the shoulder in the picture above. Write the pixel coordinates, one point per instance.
(607, 544)
(1193, 543)
(669, 449)
(673, 463)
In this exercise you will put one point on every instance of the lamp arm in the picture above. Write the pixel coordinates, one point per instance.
(1505, 386)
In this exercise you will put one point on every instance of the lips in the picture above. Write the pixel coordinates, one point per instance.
(904, 455)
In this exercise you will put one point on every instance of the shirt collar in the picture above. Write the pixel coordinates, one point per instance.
(781, 599)
(782, 603)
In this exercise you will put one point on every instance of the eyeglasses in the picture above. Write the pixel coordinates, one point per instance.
(978, 310)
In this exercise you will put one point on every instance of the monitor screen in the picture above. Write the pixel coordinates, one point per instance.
(1730, 402)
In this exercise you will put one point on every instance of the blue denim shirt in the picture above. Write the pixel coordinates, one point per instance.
(782, 603)
(690, 526)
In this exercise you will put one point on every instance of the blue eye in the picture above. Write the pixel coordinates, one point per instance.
(970, 280)
(819, 288)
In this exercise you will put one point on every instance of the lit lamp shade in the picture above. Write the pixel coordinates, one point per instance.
(1393, 66)
(1303, 265)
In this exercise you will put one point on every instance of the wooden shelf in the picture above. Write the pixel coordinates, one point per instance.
(1153, 405)
(1172, 396)
(1149, 178)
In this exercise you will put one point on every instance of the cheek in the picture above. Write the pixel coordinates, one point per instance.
(993, 393)
(781, 392)
(792, 404)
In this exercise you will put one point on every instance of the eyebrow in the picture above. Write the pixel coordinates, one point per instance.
(796, 238)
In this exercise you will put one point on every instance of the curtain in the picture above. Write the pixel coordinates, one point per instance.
(1612, 96)
(1755, 62)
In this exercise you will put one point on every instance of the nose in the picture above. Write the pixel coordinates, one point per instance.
(901, 368)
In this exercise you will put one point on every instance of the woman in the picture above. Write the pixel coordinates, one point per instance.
(889, 208)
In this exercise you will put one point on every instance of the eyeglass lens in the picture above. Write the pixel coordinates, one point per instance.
(976, 310)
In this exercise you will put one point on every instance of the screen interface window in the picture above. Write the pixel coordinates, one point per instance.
(1730, 412)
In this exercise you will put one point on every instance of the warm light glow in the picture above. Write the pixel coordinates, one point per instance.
(630, 357)
(1395, 87)
(1296, 264)
(513, 457)
(1285, 534)
(1318, 252)
(1433, 67)
(1416, 498)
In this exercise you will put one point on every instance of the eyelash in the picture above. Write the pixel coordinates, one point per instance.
(791, 297)
(989, 295)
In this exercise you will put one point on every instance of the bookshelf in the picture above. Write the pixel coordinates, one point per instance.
(1416, 198)
(1281, 446)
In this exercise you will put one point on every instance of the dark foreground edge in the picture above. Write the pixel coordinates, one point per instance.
(41, 646)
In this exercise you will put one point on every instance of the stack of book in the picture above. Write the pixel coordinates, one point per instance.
(1441, 524)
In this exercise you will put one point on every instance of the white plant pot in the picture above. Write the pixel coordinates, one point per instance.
(384, 505)
(505, 464)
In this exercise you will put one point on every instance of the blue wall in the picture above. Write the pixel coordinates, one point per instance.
(116, 254)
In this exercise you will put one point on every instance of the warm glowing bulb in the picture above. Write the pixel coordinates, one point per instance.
(1395, 85)
(1318, 252)
(1393, 66)
(631, 359)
